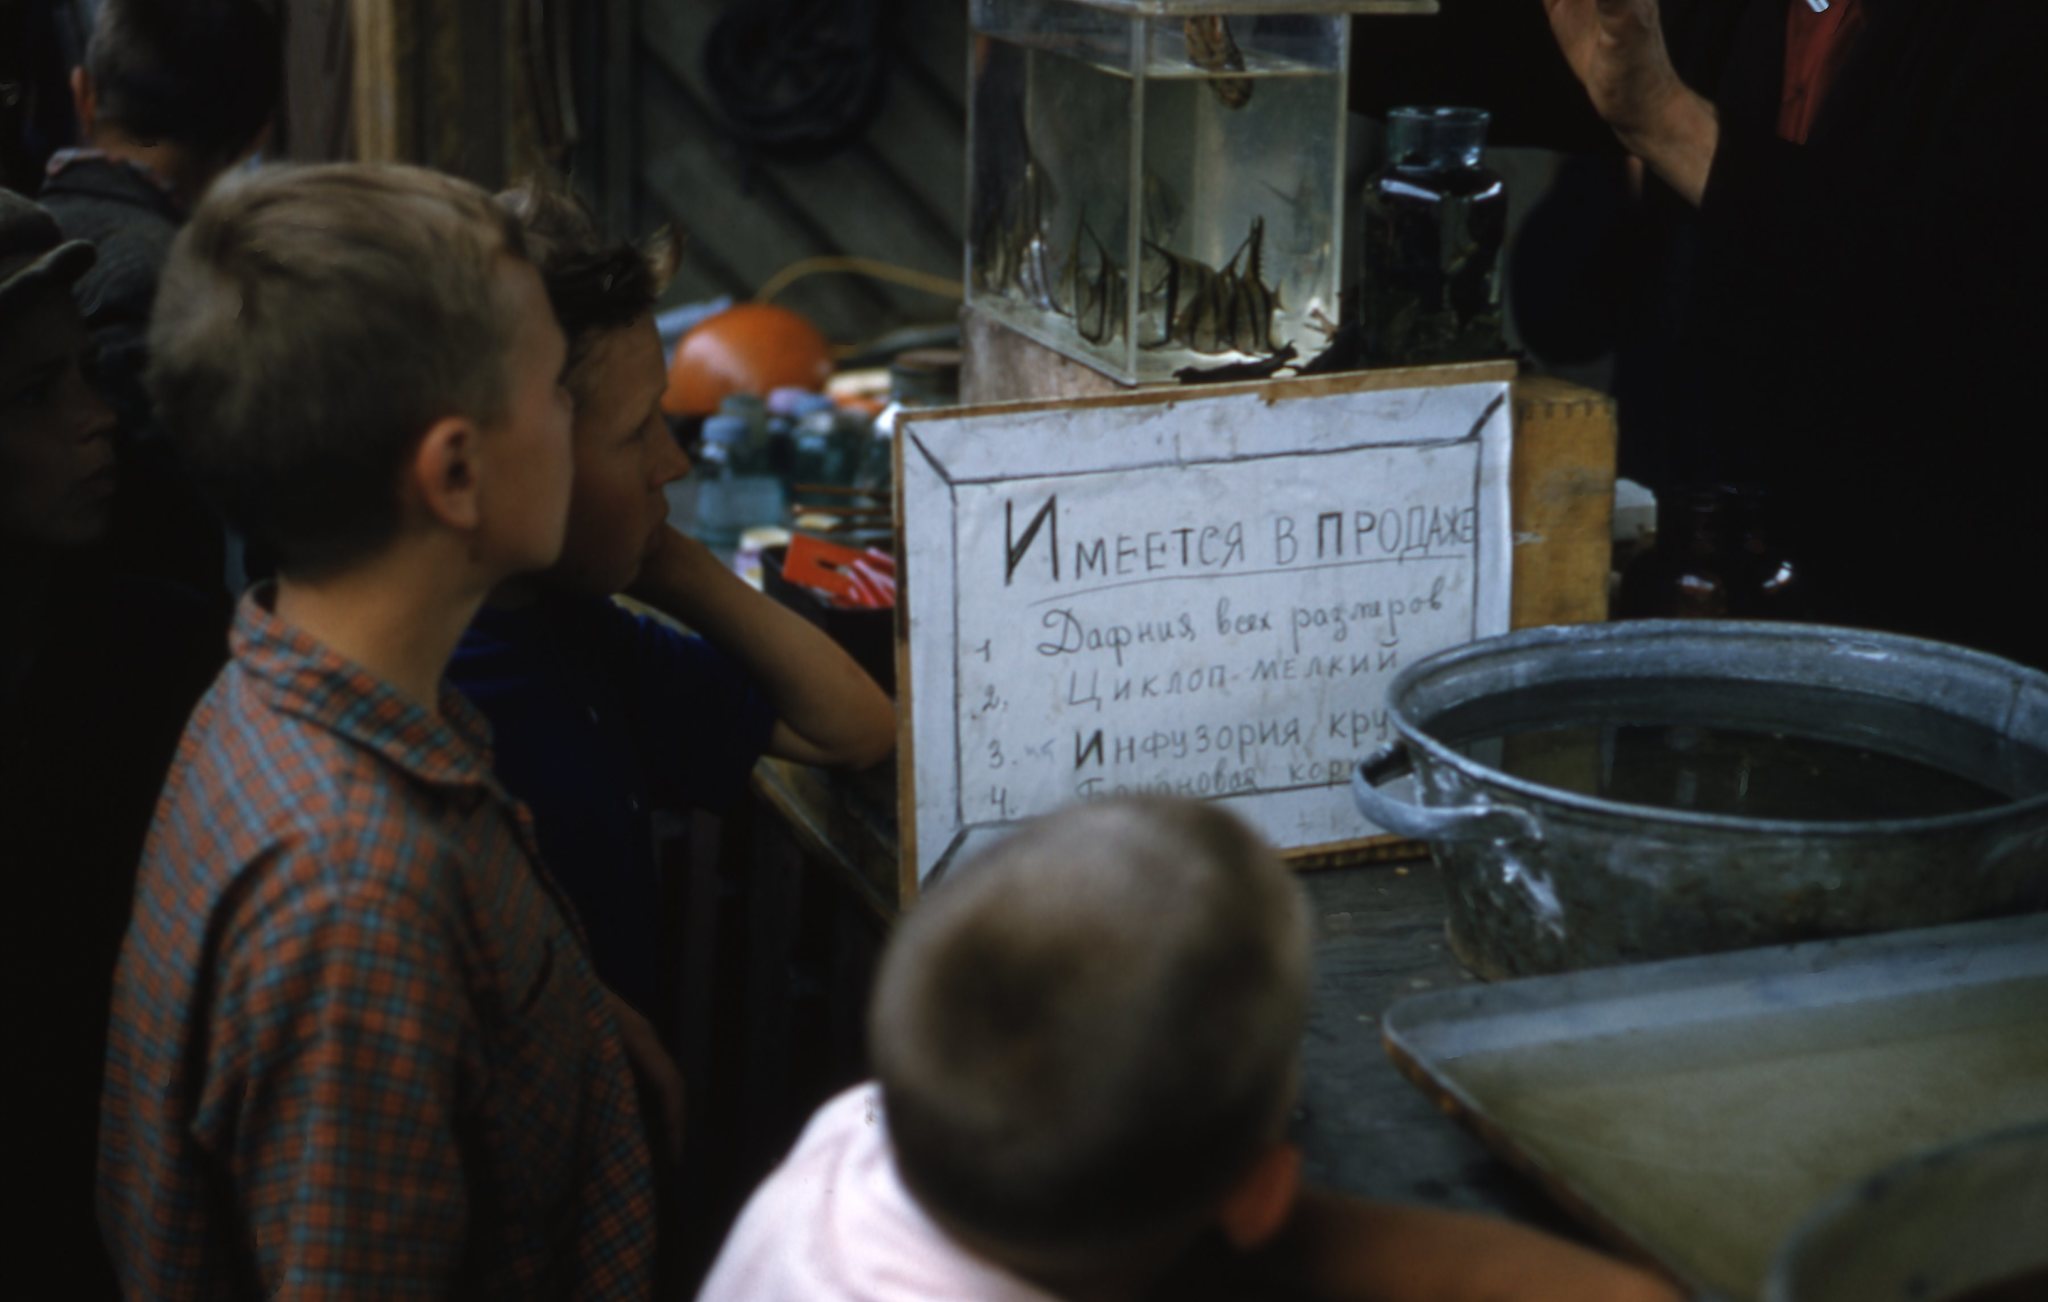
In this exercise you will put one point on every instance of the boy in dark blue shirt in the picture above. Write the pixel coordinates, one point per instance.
(601, 715)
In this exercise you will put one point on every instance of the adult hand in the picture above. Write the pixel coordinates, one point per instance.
(1616, 49)
(660, 1081)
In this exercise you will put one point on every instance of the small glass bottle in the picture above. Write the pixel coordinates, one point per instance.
(1435, 223)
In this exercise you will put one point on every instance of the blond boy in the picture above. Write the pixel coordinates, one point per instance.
(357, 1047)
(1086, 1047)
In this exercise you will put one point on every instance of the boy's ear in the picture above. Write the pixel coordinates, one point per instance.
(444, 477)
(1259, 1205)
(84, 101)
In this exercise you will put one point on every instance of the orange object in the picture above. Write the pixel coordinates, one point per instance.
(749, 348)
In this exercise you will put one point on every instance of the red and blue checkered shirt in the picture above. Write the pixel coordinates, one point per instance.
(357, 1046)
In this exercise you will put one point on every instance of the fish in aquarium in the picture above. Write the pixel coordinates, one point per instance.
(1215, 310)
(1167, 290)
(1162, 211)
(1253, 301)
(1095, 302)
(1301, 202)
(1010, 252)
(1212, 49)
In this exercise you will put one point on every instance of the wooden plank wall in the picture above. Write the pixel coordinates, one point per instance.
(895, 194)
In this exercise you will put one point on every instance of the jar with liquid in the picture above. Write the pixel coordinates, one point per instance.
(1435, 223)
(1693, 569)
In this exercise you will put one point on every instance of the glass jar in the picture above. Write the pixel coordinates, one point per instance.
(1435, 223)
(1691, 571)
(1715, 558)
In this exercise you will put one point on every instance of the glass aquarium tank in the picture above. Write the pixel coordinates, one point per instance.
(1155, 186)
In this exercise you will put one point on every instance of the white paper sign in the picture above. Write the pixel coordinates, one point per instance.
(1205, 595)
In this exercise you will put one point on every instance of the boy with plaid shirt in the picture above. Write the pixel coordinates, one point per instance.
(358, 1047)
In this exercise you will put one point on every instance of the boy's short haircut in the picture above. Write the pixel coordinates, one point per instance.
(596, 285)
(205, 74)
(311, 325)
(1089, 1036)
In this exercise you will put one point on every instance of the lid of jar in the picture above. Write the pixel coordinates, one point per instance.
(1433, 136)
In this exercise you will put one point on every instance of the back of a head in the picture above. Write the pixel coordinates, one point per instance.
(311, 324)
(1087, 1036)
(205, 74)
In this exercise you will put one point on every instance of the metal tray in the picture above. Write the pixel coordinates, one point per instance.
(1694, 1110)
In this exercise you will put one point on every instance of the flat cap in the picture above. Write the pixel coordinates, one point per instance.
(33, 251)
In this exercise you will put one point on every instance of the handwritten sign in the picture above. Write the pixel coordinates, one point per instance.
(1204, 595)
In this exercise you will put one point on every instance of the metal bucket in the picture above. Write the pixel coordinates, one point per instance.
(1542, 878)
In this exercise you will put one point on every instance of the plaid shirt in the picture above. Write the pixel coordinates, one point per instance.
(357, 1048)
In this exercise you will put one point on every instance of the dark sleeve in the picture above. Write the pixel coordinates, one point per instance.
(1567, 266)
(116, 297)
(701, 722)
(163, 527)
(1871, 298)
(1941, 208)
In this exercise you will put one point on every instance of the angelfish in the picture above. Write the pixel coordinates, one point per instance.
(1094, 302)
(1013, 253)
(1252, 331)
(1217, 309)
(1211, 49)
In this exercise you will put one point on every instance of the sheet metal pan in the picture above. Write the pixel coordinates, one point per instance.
(1694, 1110)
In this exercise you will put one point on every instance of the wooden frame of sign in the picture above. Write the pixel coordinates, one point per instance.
(1202, 591)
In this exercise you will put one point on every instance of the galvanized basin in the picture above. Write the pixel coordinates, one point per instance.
(1545, 878)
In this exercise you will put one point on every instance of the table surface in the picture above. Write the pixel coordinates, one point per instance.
(1362, 1127)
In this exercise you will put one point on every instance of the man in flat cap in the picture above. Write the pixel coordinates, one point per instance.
(96, 677)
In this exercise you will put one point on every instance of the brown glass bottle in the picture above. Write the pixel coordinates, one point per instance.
(1715, 558)
(1770, 584)
(1688, 573)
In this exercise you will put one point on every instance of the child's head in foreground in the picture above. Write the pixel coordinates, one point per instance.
(350, 354)
(1087, 1040)
(603, 292)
